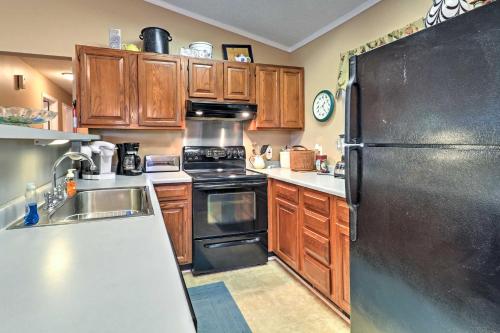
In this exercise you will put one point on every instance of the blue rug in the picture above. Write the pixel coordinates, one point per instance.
(216, 310)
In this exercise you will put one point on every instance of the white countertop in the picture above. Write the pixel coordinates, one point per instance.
(323, 183)
(116, 275)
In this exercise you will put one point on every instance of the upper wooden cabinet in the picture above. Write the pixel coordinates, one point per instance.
(104, 86)
(137, 90)
(123, 89)
(267, 96)
(220, 80)
(280, 97)
(160, 91)
(292, 97)
(237, 81)
(205, 78)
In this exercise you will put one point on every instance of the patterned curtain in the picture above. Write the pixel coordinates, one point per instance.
(439, 12)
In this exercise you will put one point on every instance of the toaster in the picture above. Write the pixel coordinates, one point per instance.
(161, 163)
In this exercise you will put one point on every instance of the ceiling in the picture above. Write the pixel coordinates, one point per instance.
(284, 24)
(52, 69)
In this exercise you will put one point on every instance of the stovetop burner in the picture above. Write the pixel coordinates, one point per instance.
(205, 164)
(225, 175)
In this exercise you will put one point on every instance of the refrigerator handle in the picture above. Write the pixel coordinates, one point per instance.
(351, 103)
(352, 185)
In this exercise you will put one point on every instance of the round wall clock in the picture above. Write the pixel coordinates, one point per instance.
(323, 105)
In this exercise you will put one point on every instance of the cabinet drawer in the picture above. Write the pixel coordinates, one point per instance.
(317, 223)
(316, 246)
(287, 192)
(317, 202)
(342, 212)
(172, 192)
(317, 274)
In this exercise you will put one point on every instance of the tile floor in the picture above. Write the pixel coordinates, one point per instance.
(272, 300)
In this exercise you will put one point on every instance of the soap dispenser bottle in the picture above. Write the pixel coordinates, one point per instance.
(70, 183)
(31, 216)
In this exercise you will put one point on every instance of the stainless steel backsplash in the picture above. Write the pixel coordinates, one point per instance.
(213, 133)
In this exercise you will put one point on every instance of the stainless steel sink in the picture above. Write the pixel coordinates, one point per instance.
(96, 205)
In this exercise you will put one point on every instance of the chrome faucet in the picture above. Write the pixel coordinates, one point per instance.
(57, 195)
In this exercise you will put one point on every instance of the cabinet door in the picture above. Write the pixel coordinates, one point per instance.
(176, 216)
(340, 255)
(287, 224)
(237, 81)
(268, 96)
(292, 98)
(160, 91)
(104, 87)
(205, 79)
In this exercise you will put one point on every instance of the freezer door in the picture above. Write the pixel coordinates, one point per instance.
(439, 86)
(427, 254)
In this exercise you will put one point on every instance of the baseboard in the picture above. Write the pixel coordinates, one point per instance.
(325, 300)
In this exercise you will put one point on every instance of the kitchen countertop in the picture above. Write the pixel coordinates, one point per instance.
(114, 275)
(323, 183)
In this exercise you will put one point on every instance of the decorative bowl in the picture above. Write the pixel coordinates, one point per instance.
(24, 116)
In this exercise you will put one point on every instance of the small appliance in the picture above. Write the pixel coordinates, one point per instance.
(129, 162)
(101, 152)
(161, 163)
(339, 170)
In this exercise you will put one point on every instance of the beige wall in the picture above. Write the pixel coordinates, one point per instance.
(36, 84)
(54, 27)
(321, 60)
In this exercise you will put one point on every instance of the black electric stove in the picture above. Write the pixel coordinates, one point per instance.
(229, 209)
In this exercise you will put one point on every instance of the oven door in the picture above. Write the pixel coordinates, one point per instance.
(230, 208)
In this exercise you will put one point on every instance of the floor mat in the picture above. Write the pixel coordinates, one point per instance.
(215, 309)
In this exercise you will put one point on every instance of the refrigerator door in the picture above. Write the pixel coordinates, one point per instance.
(427, 255)
(438, 86)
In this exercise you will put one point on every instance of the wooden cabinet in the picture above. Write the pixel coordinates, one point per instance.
(280, 97)
(175, 216)
(287, 228)
(340, 249)
(104, 86)
(292, 98)
(160, 91)
(175, 204)
(204, 78)
(137, 90)
(237, 81)
(220, 80)
(309, 231)
(123, 89)
(267, 96)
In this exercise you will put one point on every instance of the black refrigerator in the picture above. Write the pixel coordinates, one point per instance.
(423, 180)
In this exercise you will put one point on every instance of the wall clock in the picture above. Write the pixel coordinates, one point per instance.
(323, 105)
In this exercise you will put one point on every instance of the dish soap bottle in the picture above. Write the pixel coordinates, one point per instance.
(70, 183)
(31, 217)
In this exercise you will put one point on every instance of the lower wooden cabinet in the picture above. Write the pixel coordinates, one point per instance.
(309, 231)
(287, 226)
(175, 204)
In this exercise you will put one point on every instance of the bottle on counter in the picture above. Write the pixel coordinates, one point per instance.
(70, 183)
(31, 216)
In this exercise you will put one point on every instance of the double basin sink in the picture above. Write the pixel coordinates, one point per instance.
(95, 205)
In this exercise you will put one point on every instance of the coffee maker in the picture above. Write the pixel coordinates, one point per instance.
(101, 153)
(129, 162)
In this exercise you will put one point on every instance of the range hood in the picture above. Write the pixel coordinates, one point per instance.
(206, 110)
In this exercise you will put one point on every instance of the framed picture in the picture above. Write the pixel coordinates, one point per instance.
(235, 52)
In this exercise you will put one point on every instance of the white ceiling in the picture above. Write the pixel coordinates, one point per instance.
(285, 24)
(52, 69)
